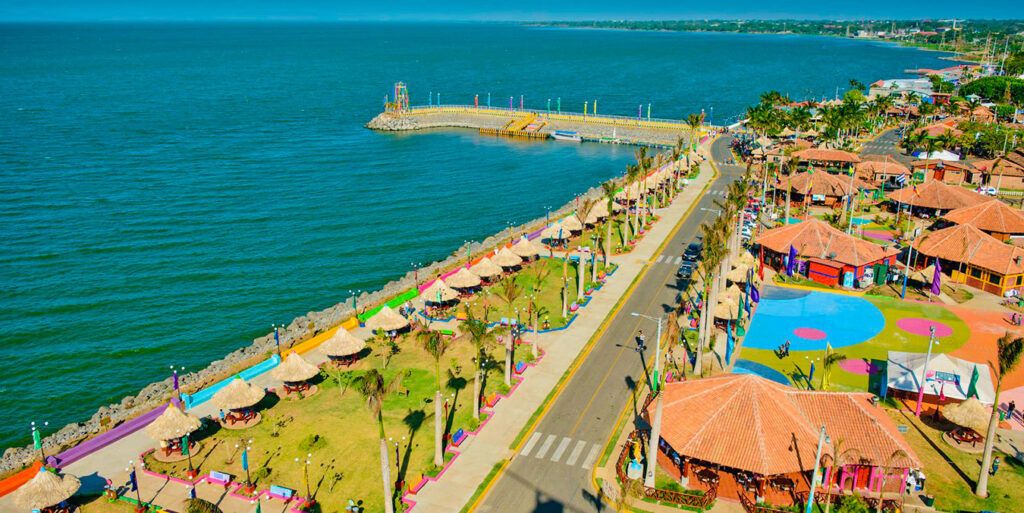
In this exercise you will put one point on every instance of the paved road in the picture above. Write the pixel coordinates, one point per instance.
(887, 144)
(552, 471)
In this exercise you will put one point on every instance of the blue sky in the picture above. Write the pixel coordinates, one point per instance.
(409, 10)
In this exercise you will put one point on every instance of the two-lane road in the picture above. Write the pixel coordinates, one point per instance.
(552, 472)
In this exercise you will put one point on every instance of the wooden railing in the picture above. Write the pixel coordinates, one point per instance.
(690, 499)
(752, 507)
(822, 496)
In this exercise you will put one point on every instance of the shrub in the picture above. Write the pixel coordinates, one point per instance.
(852, 504)
(503, 389)
(312, 442)
(201, 506)
(472, 425)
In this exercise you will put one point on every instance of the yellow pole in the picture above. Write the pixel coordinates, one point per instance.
(585, 108)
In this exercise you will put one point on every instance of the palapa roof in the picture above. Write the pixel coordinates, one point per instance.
(888, 167)
(598, 212)
(556, 231)
(237, 395)
(525, 248)
(746, 422)
(966, 244)
(439, 291)
(506, 258)
(937, 195)
(387, 320)
(46, 489)
(925, 275)
(814, 238)
(746, 258)
(738, 274)
(819, 183)
(822, 155)
(294, 368)
(991, 216)
(571, 223)
(342, 343)
(172, 423)
(463, 279)
(970, 414)
(485, 268)
(727, 308)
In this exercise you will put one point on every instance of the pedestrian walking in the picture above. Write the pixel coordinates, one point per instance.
(995, 467)
(1012, 407)
(642, 339)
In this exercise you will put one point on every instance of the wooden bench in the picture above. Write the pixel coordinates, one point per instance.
(965, 435)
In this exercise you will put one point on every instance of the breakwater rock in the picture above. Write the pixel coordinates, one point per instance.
(300, 329)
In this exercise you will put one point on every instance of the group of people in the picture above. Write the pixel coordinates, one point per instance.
(1016, 318)
(783, 350)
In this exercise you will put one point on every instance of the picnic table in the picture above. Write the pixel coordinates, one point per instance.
(966, 435)
(240, 416)
(783, 483)
(708, 476)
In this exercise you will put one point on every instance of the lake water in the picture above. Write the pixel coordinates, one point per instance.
(168, 191)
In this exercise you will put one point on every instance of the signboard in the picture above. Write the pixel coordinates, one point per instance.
(817, 197)
(848, 280)
(947, 377)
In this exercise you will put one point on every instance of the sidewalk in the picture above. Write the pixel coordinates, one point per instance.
(479, 454)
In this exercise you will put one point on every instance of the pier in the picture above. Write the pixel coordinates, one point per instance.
(525, 123)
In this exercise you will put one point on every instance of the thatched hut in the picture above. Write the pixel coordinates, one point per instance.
(727, 309)
(463, 279)
(342, 346)
(738, 274)
(295, 372)
(46, 490)
(970, 414)
(526, 249)
(388, 320)
(170, 428)
(238, 397)
(507, 259)
(439, 293)
(486, 269)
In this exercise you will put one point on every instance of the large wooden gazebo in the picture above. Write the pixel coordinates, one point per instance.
(750, 436)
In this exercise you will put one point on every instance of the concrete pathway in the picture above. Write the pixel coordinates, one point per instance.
(481, 453)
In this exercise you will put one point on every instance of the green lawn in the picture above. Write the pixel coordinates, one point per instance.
(875, 350)
(618, 225)
(547, 293)
(345, 457)
(951, 474)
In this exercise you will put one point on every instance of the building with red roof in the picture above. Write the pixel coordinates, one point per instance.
(974, 257)
(992, 217)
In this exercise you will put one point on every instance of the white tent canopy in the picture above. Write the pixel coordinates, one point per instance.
(946, 374)
(937, 155)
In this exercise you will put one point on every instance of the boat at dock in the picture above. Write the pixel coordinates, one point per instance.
(563, 135)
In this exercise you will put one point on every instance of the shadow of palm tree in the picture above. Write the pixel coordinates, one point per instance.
(456, 383)
(414, 421)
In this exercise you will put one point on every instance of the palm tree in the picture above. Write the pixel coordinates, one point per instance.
(896, 455)
(481, 338)
(608, 192)
(374, 390)
(693, 122)
(711, 258)
(540, 273)
(436, 345)
(971, 105)
(632, 174)
(831, 359)
(582, 212)
(837, 456)
(930, 145)
(509, 292)
(794, 162)
(1010, 350)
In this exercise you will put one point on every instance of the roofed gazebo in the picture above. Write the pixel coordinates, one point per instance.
(387, 320)
(439, 298)
(343, 347)
(170, 429)
(295, 372)
(238, 399)
(751, 435)
(463, 280)
(486, 269)
(526, 249)
(507, 259)
(47, 492)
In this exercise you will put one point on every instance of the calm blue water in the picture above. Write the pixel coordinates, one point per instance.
(169, 191)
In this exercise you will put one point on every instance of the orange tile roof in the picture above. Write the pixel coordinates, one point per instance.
(821, 155)
(937, 129)
(1005, 167)
(814, 238)
(889, 167)
(746, 422)
(938, 195)
(819, 182)
(991, 216)
(964, 243)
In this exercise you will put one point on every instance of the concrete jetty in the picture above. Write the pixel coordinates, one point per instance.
(533, 124)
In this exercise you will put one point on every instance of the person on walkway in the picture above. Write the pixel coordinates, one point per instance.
(787, 347)
(995, 467)
(640, 336)
(1012, 407)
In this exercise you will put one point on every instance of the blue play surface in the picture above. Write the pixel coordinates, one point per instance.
(845, 320)
(750, 367)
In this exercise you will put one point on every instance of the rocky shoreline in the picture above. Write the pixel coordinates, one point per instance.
(300, 329)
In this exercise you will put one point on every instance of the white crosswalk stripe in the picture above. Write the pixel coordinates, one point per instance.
(679, 260)
(660, 258)
(530, 443)
(571, 449)
(544, 448)
(562, 446)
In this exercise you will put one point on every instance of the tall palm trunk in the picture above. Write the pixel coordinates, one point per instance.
(385, 469)
(608, 237)
(581, 275)
(438, 428)
(990, 436)
(508, 361)
(476, 391)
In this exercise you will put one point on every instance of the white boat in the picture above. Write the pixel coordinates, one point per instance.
(563, 135)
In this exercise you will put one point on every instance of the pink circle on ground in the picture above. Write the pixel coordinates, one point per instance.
(809, 333)
(919, 326)
(859, 366)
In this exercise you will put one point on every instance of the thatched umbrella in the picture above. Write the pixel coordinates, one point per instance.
(172, 424)
(525, 248)
(294, 369)
(572, 224)
(746, 258)
(342, 343)
(238, 395)
(969, 414)
(506, 258)
(439, 292)
(738, 274)
(387, 320)
(732, 292)
(486, 269)
(597, 213)
(556, 232)
(727, 308)
(463, 279)
(46, 489)
(924, 275)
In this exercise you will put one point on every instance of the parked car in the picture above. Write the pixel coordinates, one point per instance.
(685, 270)
(692, 252)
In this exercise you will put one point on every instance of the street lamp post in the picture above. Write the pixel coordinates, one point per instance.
(924, 372)
(817, 465)
(140, 506)
(177, 390)
(657, 350)
(37, 440)
(277, 338)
